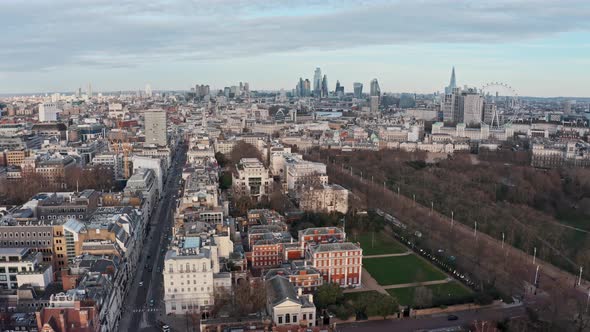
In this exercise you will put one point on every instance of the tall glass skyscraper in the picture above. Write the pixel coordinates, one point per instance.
(358, 90)
(375, 90)
(317, 81)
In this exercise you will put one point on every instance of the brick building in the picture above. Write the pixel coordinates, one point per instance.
(339, 263)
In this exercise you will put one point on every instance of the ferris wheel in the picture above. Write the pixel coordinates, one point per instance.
(502, 104)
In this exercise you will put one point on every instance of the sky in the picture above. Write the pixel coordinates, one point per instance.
(540, 48)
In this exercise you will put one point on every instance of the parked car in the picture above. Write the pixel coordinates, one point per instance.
(452, 317)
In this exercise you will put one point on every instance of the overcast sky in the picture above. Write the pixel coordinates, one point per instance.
(541, 48)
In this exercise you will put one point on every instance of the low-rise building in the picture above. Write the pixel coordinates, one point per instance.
(22, 266)
(326, 198)
(251, 178)
(288, 306)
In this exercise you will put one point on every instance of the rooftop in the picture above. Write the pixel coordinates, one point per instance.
(327, 247)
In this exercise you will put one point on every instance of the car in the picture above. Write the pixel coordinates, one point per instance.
(145, 266)
(452, 317)
(165, 328)
(150, 269)
(159, 270)
(141, 284)
(152, 302)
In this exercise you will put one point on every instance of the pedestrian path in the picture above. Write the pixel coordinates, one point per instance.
(416, 284)
(409, 252)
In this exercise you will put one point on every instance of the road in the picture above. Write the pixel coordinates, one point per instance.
(435, 321)
(139, 315)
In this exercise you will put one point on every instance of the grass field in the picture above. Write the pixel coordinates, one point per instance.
(401, 270)
(440, 293)
(383, 244)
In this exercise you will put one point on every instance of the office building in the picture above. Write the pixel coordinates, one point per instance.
(358, 90)
(155, 127)
(471, 106)
(48, 112)
(317, 81)
(375, 90)
(324, 92)
(451, 107)
(374, 104)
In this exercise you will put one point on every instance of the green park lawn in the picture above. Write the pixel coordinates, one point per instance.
(447, 293)
(401, 270)
(381, 244)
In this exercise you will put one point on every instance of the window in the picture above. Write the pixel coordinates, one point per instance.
(287, 318)
(280, 319)
(310, 316)
(294, 318)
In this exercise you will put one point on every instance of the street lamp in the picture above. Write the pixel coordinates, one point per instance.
(534, 254)
(580, 277)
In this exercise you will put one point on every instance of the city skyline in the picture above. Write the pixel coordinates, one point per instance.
(538, 48)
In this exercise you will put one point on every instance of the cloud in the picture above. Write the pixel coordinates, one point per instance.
(43, 34)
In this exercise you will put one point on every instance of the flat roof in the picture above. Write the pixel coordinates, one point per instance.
(192, 242)
(13, 251)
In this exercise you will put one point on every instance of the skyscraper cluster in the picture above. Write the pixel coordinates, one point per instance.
(303, 88)
(320, 86)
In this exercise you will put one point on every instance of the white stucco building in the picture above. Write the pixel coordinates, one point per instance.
(252, 178)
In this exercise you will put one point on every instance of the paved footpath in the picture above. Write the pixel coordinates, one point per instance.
(416, 284)
(389, 255)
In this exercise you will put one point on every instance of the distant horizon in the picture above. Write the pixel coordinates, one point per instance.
(42, 94)
(538, 48)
